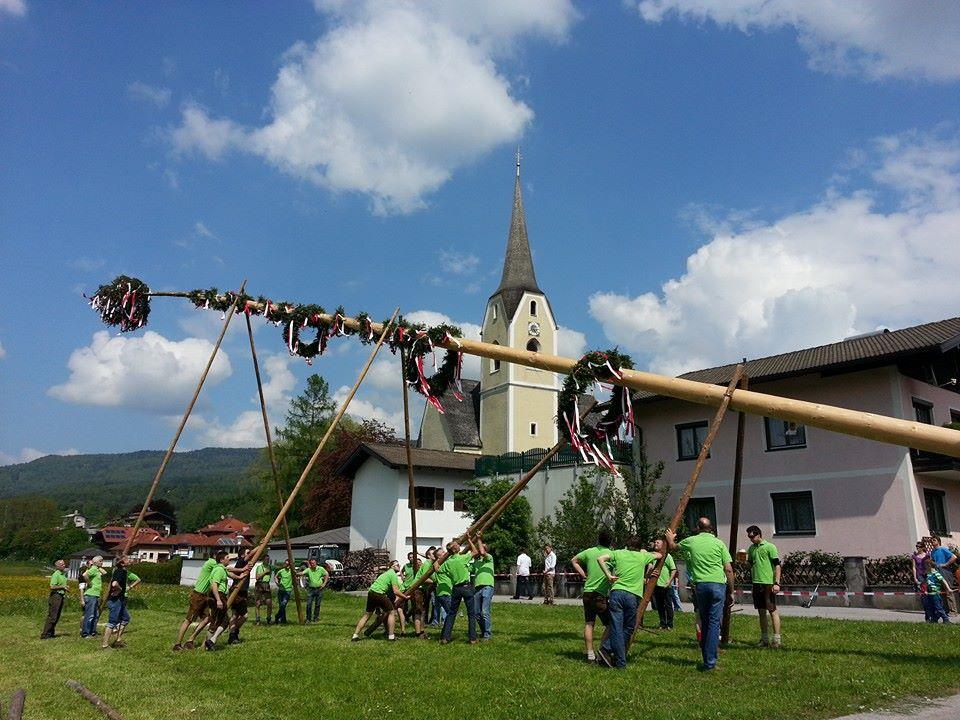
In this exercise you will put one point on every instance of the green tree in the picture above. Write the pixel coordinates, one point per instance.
(513, 530)
(646, 497)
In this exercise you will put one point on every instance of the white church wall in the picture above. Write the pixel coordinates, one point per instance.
(433, 526)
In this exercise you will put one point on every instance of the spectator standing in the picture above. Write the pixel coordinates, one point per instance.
(483, 589)
(284, 578)
(661, 592)
(918, 563)
(523, 577)
(91, 596)
(316, 577)
(58, 593)
(765, 573)
(933, 585)
(263, 597)
(549, 573)
(119, 617)
(944, 559)
(711, 570)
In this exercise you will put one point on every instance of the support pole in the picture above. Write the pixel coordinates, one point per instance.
(735, 502)
(17, 701)
(688, 490)
(273, 467)
(411, 493)
(95, 700)
(183, 422)
(258, 552)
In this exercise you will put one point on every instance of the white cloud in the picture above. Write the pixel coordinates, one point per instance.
(3, 351)
(896, 38)
(29, 454)
(147, 372)
(384, 374)
(172, 180)
(471, 331)
(571, 343)
(159, 96)
(13, 7)
(364, 409)
(457, 263)
(203, 231)
(391, 100)
(842, 266)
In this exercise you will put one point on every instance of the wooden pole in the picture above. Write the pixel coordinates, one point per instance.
(95, 700)
(273, 467)
(688, 490)
(411, 492)
(183, 422)
(17, 701)
(735, 502)
(258, 552)
(882, 428)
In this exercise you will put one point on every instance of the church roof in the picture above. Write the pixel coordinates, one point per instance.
(518, 275)
(462, 419)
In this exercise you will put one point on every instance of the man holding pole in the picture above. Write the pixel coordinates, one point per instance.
(483, 588)
(239, 607)
(765, 573)
(711, 569)
(378, 599)
(457, 562)
(596, 588)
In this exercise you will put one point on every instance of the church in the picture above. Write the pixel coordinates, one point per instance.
(510, 410)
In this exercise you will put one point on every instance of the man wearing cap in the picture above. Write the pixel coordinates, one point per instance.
(765, 572)
(58, 591)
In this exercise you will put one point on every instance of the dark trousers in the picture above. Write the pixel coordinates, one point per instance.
(664, 605)
(53, 615)
(314, 598)
(461, 593)
(283, 597)
(523, 587)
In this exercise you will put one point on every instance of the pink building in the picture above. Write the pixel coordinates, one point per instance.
(811, 489)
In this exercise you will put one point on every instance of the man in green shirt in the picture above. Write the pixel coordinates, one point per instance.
(198, 608)
(58, 591)
(284, 578)
(483, 588)
(91, 596)
(317, 578)
(661, 592)
(765, 573)
(377, 599)
(626, 589)
(596, 588)
(711, 569)
(457, 562)
(262, 594)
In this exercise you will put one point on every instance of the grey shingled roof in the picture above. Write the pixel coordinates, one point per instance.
(337, 536)
(887, 346)
(518, 275)
(395, 456)
(462, 419)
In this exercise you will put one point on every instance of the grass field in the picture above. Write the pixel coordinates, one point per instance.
(532, 668)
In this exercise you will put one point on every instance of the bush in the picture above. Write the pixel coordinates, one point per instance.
(167, 573)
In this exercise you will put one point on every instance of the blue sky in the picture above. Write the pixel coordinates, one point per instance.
(703, 180)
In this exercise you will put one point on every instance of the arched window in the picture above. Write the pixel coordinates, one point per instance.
(533, 308)
(533, 345)
(496, 363)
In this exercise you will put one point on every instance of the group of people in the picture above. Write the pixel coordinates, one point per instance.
(932, 563)
(93, 599)
(525, 584)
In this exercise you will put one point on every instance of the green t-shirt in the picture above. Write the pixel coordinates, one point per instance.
(285, 579)
(264, 573)
(202, 585)
(458, 567)
(669, 565)
(408, 575)
(219, 576)
(483, 569)
(761, 556)
(422, 570)
(384, 581)
(630, 567)
(315, 576)
(58, 578)
(444, 582)
(94, 581)
(596, 581)
(705, 555)
(131, 578)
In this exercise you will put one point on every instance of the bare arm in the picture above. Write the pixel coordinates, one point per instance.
(578, 568)
(728, 571)
(602, 560)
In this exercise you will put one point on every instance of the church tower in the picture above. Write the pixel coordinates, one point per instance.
(518, 405)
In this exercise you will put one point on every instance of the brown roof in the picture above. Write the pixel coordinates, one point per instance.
(228, 525)
(395, 456)
(860, 351)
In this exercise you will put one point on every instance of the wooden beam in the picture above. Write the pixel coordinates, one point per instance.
(411, 492)
(735, 502)
(97, 701)
(17, 701)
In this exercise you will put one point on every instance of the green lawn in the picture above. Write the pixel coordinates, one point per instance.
(532, 668)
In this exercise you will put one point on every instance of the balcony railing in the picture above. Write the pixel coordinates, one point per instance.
(924, 461)
(515, 463)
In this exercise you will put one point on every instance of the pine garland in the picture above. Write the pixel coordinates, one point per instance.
(123, 303)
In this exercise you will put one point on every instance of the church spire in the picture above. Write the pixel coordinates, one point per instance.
(518, 275)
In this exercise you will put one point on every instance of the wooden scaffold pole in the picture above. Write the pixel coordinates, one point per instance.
(735, 501)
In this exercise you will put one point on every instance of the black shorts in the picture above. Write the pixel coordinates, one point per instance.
(239, 606)
(764, 598)
(595, 606)
(378, 601)
(218, 615)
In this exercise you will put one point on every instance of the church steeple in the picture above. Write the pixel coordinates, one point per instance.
(518, 275)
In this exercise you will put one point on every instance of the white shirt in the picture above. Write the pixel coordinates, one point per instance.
(550, 563)
(523, 564)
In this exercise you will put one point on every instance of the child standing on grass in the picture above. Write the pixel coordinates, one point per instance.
(933, 584)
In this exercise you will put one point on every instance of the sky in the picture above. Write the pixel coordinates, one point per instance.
(703, 180)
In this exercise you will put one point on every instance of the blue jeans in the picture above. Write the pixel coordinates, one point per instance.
(710, 599)
(482, 599)
(314, 598)
(118, 613)
(441, 606)
(623, 621)
(933, 609)
(283, 597)
(461, 593)
(675, 595)
(89, 626)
